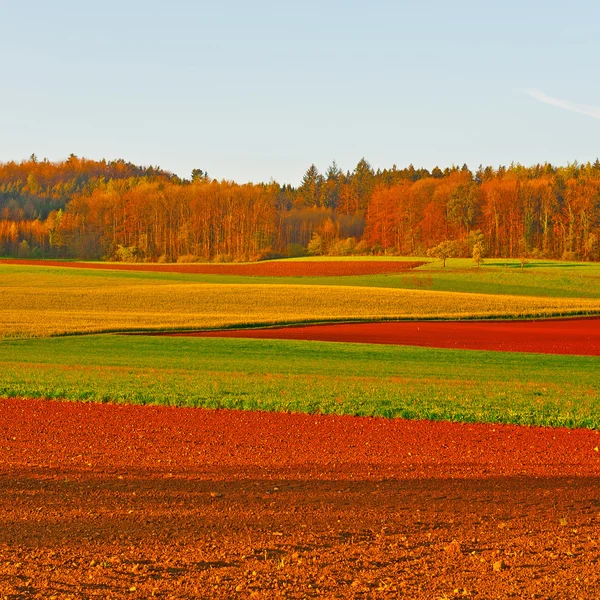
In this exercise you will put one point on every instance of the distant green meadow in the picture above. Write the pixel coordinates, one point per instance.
(308, 377)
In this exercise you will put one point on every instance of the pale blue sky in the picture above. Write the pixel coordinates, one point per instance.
(257, 90)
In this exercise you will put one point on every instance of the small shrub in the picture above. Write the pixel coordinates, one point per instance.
(295, 250)
(24, 250)
(315, 246)
(362, 249)
(128, 254)
(266, 254)
(187, 258)
(343, 247)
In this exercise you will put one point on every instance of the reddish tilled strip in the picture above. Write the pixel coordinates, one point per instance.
(228, 444)
(266, 269)
(556, 336)
(149, 501)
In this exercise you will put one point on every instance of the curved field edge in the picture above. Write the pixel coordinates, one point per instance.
(308, 377)
(42, 306)
(252, 326)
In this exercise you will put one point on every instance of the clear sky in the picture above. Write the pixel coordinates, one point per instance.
(251, 91)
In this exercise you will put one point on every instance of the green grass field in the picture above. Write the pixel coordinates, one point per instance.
(282, 375)
(355, 379)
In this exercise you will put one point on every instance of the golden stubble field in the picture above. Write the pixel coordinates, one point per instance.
(49, 303)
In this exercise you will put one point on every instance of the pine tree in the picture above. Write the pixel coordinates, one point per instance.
(310, 190)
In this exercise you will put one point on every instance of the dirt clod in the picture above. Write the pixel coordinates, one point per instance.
(499, 565)
(454, 548)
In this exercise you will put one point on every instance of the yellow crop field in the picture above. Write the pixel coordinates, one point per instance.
(50, 303)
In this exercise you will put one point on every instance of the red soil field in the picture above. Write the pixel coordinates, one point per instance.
(261, 269)
(551, 336)
(110, 501)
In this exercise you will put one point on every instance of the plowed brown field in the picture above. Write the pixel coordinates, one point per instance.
(261, 269)
(552, 336)
(114, 501)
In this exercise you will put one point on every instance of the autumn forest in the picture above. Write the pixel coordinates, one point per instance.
(114, 210)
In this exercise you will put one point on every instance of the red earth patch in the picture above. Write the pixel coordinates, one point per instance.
(551, 336)
(100, 500)
(262, 269)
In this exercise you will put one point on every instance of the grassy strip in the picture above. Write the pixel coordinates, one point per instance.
(57, 302)
(278, 375)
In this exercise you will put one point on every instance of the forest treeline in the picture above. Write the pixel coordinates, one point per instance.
(115, 210)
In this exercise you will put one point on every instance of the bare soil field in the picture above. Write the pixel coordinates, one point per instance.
(551, 336)
(112, 501)
(261, 269)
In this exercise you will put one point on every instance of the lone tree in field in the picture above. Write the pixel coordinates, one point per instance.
(478, 254)
(477, 243)
(443, 251)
